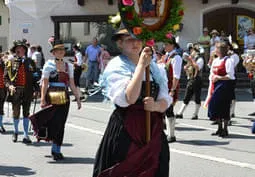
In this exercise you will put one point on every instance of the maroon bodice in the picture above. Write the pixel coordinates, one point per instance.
(220, 69)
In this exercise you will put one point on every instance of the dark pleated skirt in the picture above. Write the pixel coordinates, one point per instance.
(49, 123)
(123, 150)
(219, 106)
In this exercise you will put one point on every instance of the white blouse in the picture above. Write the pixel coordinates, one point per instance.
(50, 68)
(177, 65)
(118, 74)
(229, 65)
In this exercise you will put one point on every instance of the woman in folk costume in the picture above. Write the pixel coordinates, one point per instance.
(222, 75)
(57, 75)
(123, 150)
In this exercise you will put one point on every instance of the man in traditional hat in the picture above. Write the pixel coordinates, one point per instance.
(19, 80)
(204, 41)
(215, 38)
(173, 63)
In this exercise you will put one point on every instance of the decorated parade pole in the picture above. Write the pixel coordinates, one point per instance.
(150, 22)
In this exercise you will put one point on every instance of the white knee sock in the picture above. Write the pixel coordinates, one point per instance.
(182, 109)
(170, 124)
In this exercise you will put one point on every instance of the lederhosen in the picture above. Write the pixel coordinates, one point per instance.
(169, 70)
(19, 73)
(194, 86)
(49, 123)
(2, 88)
(77, 73)
(123, 150)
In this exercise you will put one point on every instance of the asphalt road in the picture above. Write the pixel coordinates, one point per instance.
(196, 153)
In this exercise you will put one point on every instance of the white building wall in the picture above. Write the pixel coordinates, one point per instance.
(34, 15)
(4, 27)
(193, 18)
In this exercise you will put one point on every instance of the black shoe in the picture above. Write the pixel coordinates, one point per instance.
(229, 123)
(57, 156)
(2, 130)
(251, 114)
(223, 133)
(171, 139)
(15, 137)
(233, 115)
(217, 133)
(82, 97)
(214, 123)
(194, 118)
(26, 140)
(179, 116)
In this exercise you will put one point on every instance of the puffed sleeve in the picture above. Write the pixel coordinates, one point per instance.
(163, 91)
(114, 81)
(48, 68)
(177, 66)
(230, 68)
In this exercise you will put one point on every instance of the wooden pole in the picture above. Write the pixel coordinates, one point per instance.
(148, 115)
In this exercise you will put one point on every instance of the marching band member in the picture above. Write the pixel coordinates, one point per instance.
(20, 82)
(236, 60)
(222, 75)
(193, 68)
(57, 75)
(123, 149)
(173, 64)
(2, 93)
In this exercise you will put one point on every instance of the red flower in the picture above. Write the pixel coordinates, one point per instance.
(150, 43)
(181, 13)
(169, 35)
(137, 30)
(127, 2)
(130, 16)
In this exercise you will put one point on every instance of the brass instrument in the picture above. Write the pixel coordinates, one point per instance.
(190, 70)
(249, 61)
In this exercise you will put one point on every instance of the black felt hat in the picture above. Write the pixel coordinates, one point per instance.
(17, 43)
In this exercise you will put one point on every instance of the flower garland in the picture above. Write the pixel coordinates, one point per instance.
(134, 22)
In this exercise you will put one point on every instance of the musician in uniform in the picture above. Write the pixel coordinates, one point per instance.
(19, 80)
(173, 63)
(2, 94)
(193, 68)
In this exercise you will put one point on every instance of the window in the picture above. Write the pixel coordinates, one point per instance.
(82, 30)
(0, 20)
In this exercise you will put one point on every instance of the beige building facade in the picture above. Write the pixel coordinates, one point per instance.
(4, 27)
(37, 20)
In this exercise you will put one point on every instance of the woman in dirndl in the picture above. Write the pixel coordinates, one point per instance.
(123, 150)
(222, 76)
(57, 75)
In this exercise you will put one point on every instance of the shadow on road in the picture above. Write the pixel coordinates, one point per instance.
(15, 170)
(202, 142)
(40, 144)
(74, 160)
(234, 136)
(189, 129)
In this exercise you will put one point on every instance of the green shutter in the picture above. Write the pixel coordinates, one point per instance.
(0, 20)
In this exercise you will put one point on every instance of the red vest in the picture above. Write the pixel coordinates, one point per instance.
(21, 77)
